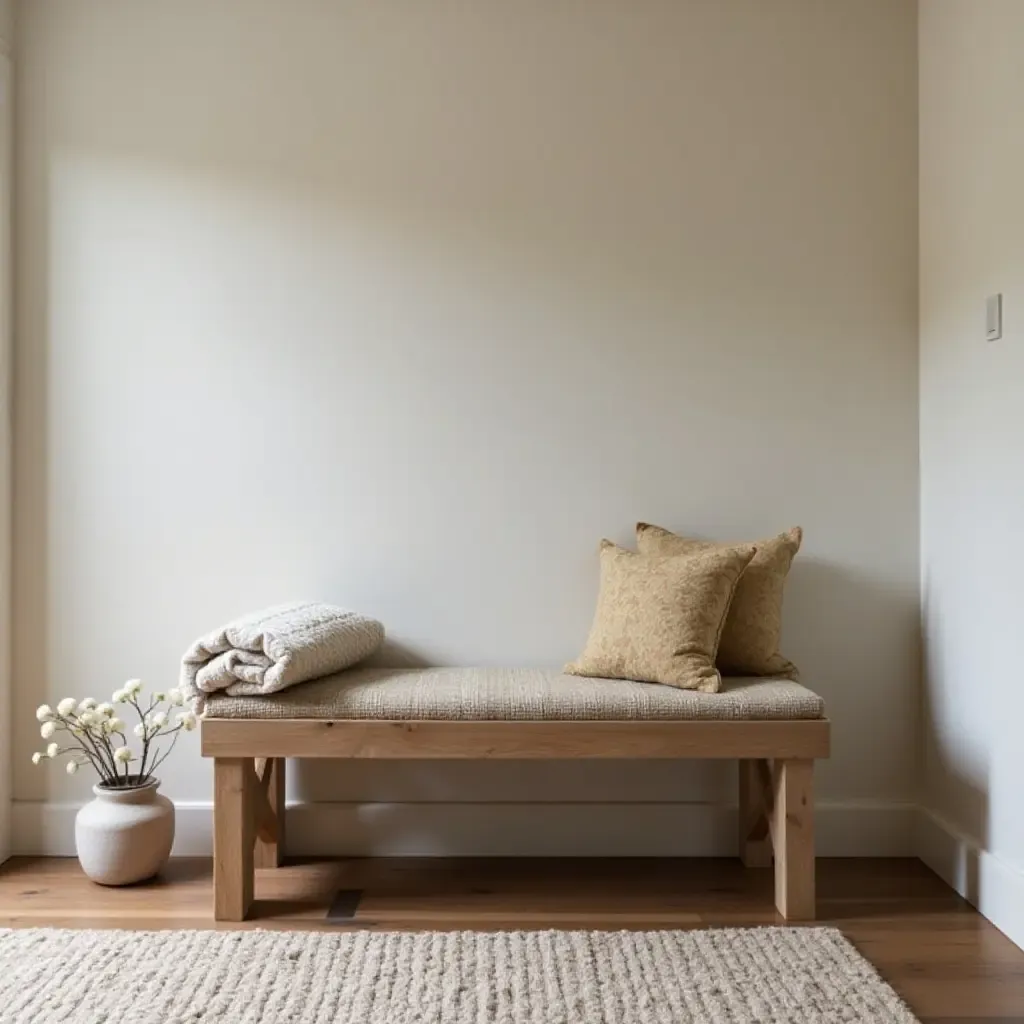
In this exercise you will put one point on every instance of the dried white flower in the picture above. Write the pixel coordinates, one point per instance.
(47, 729)
(113, 725)
(44, 712)
(37, 757)
(176, 697)
(140, 731)
(71, 767)
(86, 705)
(124, 755)
(187, 720)
(119, 696)
(87, 719)
(67, 706)
(159, 696)
(52, 750)
(159, 720)
(133, 687)
(105, 709)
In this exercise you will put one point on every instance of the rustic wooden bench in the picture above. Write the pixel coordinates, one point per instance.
(775, 729)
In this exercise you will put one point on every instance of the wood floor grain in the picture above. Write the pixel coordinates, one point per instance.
(947, 961)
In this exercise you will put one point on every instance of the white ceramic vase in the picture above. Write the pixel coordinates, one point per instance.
(124, 835)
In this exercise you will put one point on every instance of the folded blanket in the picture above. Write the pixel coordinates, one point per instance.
(271, 650)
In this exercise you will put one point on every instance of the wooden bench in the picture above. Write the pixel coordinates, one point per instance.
(775, 730)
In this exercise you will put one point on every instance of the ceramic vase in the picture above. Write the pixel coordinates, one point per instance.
(125, 834)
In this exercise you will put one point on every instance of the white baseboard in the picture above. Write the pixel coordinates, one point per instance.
(844, 829)
(988, 882)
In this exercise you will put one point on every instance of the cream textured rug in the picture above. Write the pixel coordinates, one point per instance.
(756, 976)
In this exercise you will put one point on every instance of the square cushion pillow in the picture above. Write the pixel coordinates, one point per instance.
(753, 627)
(659, 617)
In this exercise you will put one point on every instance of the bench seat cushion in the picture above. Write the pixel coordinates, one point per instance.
(517, 694)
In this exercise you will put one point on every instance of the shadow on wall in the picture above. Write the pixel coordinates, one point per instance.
(969, 794)
(818, 594)
(412, 249)
(396, 654)
(31, 525)
(855, 639)
(955, 794)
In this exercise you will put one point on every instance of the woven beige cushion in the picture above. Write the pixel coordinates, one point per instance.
(659, 617)
(516, 694)
(753, 627)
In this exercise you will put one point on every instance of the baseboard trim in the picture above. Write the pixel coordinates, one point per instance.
(986, 881)
(844, 829)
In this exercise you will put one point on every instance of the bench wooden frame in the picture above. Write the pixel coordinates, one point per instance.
(776, 762)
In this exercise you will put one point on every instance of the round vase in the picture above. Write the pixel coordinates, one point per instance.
(124, 835)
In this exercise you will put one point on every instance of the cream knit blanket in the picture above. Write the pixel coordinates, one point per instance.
(271, 650)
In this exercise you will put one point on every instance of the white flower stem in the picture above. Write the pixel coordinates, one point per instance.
(134, 701)
(97, 746)
(167, 753)
(92, 744)
(94, 755)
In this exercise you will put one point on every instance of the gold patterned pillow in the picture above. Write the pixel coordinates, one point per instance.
(753, 627)
(659, 617)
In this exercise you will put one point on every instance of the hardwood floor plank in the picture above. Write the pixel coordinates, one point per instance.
(947, 961)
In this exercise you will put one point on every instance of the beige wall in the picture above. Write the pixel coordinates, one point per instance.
(6, 789)
(972, 447)
(406, 306)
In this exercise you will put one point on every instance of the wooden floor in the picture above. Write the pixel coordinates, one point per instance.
(948, 962)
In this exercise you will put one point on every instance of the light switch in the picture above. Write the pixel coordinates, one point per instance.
(994, 317)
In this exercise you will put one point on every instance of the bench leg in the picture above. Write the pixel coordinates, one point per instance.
(793, 838)
(270, 817)
(233, 837)
(755, 843)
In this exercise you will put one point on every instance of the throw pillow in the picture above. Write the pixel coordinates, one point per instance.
(753, 627)
(659, 617)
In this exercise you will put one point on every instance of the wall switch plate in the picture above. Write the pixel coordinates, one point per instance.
(994, 317)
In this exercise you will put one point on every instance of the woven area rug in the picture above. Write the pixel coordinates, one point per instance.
(761, 975)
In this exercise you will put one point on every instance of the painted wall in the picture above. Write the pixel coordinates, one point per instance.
(406, 306)
(6, 123)
(972, 446)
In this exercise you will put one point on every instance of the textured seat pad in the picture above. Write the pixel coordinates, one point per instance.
(517, 694)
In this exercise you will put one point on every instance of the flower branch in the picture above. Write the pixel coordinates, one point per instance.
(92, 731)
